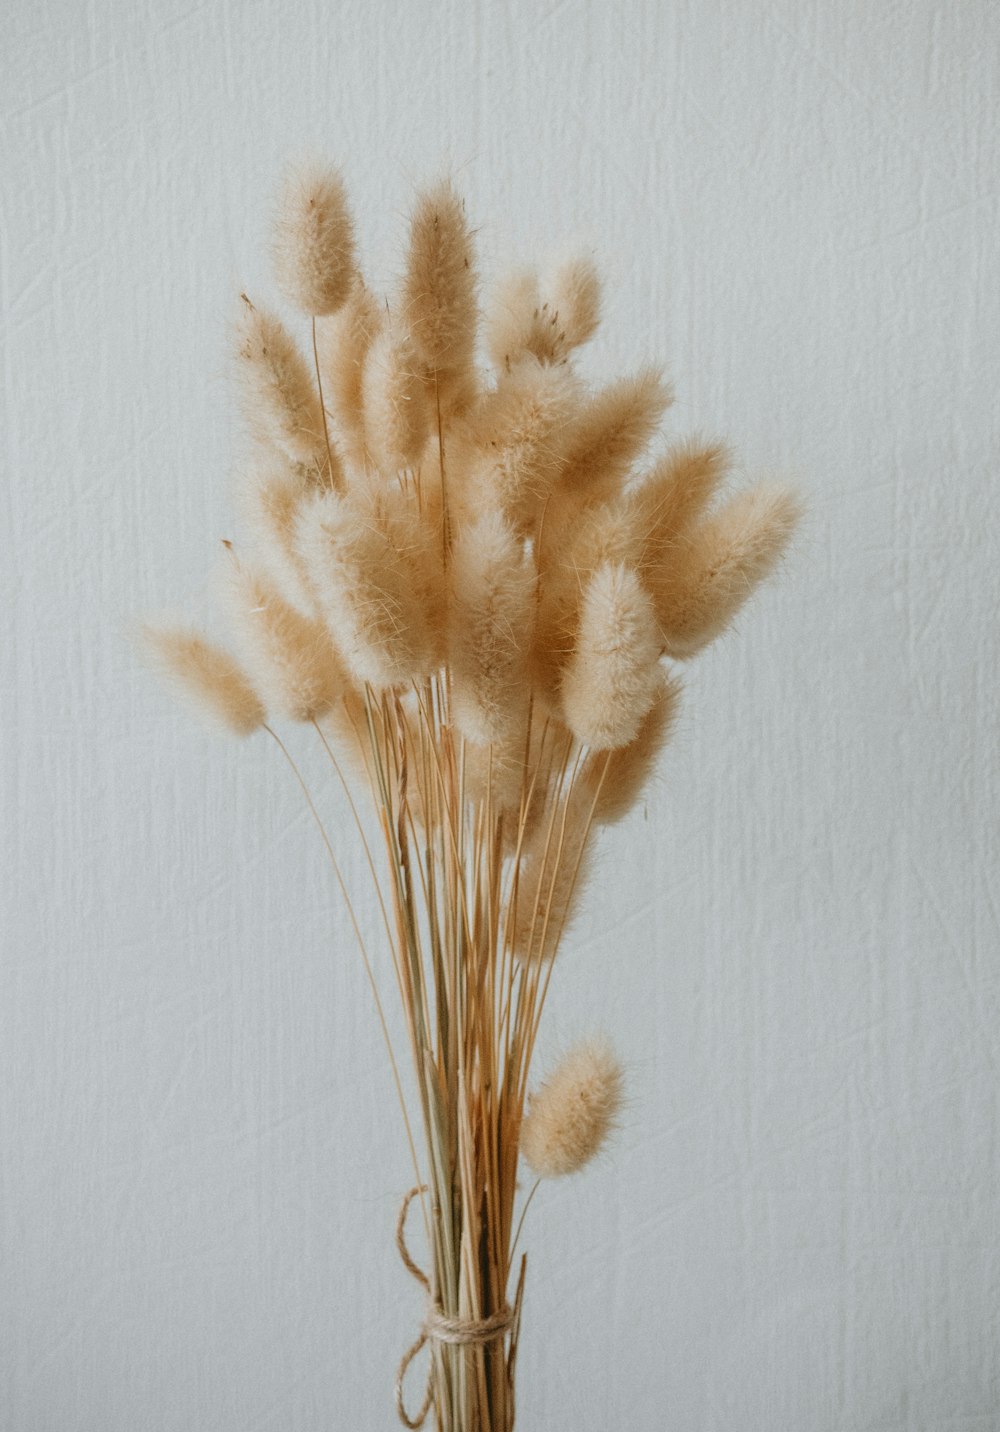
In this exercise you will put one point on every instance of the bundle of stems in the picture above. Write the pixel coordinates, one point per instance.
(456, 578)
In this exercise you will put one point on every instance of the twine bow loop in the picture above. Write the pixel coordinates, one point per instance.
(437, 1325)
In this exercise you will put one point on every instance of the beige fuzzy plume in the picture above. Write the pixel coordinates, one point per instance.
(572, 1114)
(575, 296)
(675, 494)
(490, 622)
(314, 240)
(615, 779)
(343, 341)
(346, 726)
(572, 546)
(289, 656)
(270, 497)
(206, 675)
(611, 681)
(410, 514)
(365, 589)
(520, 321)
(519, 434)
(439, 293)
(613, 430)
(511, 318)
(279, 393)
(700, 583)
(396, 416)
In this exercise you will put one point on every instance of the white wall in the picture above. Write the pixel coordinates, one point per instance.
(794, 946)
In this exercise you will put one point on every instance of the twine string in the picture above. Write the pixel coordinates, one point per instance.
(437, 1326)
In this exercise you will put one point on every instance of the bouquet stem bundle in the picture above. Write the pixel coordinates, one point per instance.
(458, 581)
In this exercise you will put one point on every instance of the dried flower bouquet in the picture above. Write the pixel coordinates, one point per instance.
(456, 579)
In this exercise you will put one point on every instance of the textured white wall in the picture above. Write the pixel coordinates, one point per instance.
(795, 946)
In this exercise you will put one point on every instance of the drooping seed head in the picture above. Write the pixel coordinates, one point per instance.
(289, 655)
(700, 581)
(570, 1117)
(206, 676)
(278, 392)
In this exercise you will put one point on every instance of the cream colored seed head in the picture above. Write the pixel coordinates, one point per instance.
(346, 724)
(519, 433)
(343, 341)
(700, 582)
(278, 392)
(616, 779)
(270, 496)
(410, 514)
(572, 1114)
(439, 289)
(491, 617)
(494, 776)
(612, 678)
(613, 430)
(520, 320)
(575, 295)
(511, 318)
(314, 241)
(394, 399)
(675, 493)
(365, 590)
(206, 676)
(289, 655)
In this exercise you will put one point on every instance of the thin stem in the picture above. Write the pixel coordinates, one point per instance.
(322, 407)
(524, 1214)
(361, 943)
(361, 830)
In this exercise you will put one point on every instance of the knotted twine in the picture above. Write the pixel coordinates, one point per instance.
(437, 1326)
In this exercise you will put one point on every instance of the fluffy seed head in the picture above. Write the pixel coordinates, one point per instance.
(365, 589)
(575, 295)
(206, 675)
(572, 545)
(343, 341)
(701, 582)
(676, 493)
(270, 496)
(490, 622)
(290, 656)
(396, 416)
(614, 780)
(439, 291)
(410, 514)
(521, 321)
(511, 318)
(518, 441)
(494, 776)
(314, 241)
(570, 1117)
(613, 430)
(612, 678)
(278, 391)
(347, 725)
